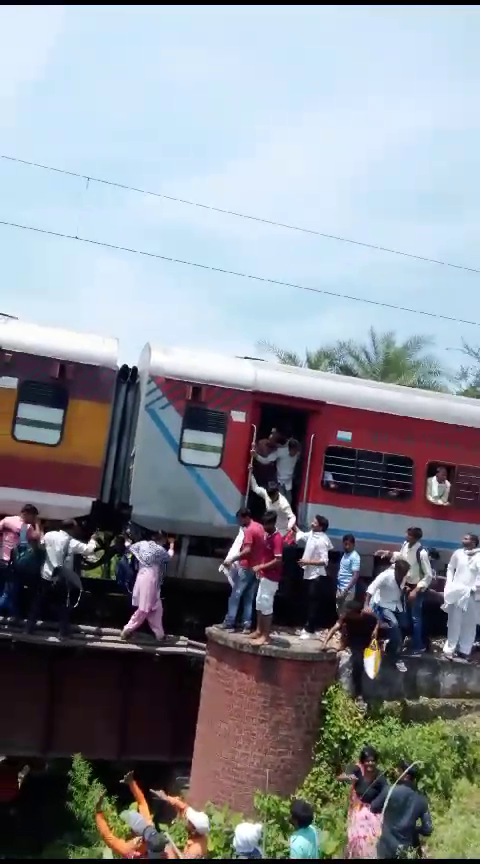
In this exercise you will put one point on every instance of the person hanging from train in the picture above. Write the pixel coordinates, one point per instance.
(269, 573)
(438, 487)
(197, 822)
(419, 578)
(277, 503)
(57, 575)
(244, 580)
(266, 471)
(145, 840)
(314, 563)
(462, 599)
(23, 529)
(153, 560)
(285, 457)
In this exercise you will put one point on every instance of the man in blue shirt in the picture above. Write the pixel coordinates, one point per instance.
(348, 572)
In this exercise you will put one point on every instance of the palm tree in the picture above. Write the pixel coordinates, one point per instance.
(381, 358)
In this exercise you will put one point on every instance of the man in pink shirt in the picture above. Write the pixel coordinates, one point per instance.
(244, 579)
(11, 530)
(269, 572)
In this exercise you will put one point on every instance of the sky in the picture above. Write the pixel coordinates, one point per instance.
(356, 121)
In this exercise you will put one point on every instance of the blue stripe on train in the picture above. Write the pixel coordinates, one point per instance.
(390, 538)
(230, 518)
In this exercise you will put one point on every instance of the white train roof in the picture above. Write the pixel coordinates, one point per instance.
(67, 345)
(259, 376)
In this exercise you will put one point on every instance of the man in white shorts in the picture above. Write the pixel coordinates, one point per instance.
(269, 573)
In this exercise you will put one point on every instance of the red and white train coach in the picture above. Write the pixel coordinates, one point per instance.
(200, 414)
(80, 436)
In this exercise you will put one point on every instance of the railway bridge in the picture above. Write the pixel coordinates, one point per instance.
(94, 694)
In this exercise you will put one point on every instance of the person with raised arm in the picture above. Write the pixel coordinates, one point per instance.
(197, 822)
(146, 841)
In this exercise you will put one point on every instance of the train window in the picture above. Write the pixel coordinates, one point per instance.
(40, 413)
(203, 437)
(367, 472)
(439, 483)
(466, 487)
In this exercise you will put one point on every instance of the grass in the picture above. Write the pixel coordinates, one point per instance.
(456, 832)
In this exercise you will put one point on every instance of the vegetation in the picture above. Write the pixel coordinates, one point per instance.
(448, 750)
(383, 358)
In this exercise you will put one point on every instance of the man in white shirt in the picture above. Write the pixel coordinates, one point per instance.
(462, 598)
(60, 547)
(384, 599)
(438, 487)
(314, 562)
(286, 458)
(419, 577)
(276, 502)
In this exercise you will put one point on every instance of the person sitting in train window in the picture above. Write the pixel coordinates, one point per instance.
(419, 578)
(329, 480)
(285, 457)
(276, 502)
(438, 487)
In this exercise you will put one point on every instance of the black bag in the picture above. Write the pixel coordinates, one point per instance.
(27, 557)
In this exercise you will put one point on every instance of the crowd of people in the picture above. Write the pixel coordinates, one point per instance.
(384, 820)
(146, 841)
(390, 610)
(46, 562)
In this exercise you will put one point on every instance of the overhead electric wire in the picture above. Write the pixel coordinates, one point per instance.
(424, 258)
(224, 271)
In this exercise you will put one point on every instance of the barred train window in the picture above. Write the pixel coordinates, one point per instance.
(40, 413)
(367, 472)
(466, 486)
(203, 437)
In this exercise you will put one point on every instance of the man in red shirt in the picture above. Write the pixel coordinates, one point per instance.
(269, 572)
(244, 578)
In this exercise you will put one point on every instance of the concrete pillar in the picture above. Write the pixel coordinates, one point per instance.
(259, 710)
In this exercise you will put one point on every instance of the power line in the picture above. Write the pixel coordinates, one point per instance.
(225, 272)
(248, 216)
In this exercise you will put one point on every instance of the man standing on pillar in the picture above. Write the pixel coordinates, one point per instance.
(269, 573)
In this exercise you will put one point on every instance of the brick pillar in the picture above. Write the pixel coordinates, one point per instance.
(259, 710)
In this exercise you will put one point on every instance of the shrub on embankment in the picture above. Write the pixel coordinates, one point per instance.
(449, 751)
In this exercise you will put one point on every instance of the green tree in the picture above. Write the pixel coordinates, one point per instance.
(381, 358)
(469, 376)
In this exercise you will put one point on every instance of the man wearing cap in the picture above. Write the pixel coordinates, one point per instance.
(198, 826)
(146, 841)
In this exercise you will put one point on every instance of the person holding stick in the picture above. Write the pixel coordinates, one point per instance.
(146, 841)
(198, 826)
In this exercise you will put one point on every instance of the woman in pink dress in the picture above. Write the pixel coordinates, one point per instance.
(153, 562)
(363, 826)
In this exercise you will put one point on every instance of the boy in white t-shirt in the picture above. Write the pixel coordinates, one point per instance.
(314, 562)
